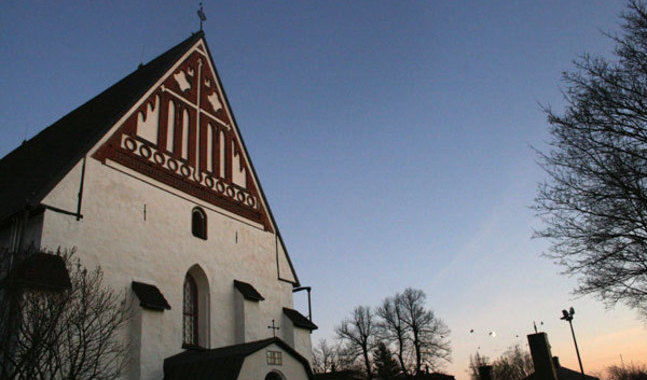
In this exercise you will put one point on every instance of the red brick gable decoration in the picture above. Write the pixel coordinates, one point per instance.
(182, 135)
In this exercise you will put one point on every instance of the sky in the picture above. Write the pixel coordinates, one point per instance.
(393, 139)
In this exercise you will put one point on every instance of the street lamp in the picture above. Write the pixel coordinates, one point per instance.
(568, 316)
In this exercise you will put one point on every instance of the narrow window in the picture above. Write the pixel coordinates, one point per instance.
(170, 130)
(185, 134)
(190, 310)
(199, 223)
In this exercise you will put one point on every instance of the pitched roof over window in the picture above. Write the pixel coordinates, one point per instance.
(221, 363)
(42, 271)
(298, 320)
(248, 291)
(150, 296)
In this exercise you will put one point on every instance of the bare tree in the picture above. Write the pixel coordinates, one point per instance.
(429, 334)
(358, 333)
(70, 334)
(629, 372)
(392, 327)
(327, 357)
(514, 364)
(594, 201)
(477, 361)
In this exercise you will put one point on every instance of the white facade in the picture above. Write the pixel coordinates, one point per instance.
(139, 228)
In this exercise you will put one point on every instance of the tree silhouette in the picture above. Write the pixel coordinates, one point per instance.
(392, 328)
(359, 334)
(429, 334)
(594, 202)
(68, 334)
(386, 368)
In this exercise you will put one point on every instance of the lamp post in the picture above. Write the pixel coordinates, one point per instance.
(568, 316)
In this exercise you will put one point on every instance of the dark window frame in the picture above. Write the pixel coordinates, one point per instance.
(199, 223)
(190, 311)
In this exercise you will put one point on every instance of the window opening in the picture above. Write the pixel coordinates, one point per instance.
(190, 311)
(199, 223)
(274, 358)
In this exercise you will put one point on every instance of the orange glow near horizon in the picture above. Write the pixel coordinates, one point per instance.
(604, 350)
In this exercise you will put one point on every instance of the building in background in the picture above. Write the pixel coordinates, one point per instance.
(546, 365)
(151, 181)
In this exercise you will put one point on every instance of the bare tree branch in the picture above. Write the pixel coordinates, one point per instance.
(70, 334)
(594, 202)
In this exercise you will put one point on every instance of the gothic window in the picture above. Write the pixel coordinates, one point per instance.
(199, 223)
(190, 310)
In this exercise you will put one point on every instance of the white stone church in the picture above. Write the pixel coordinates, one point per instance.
(151, 180)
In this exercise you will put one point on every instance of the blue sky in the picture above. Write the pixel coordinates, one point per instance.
(392, 138)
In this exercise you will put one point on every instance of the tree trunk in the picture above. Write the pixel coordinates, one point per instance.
(416, 345)
(367, 362)
(401, 355)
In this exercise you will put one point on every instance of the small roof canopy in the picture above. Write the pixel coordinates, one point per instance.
(248, 291)
(298, 320)
(150, 296)
(43, 271)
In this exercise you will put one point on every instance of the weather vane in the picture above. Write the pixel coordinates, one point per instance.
(201, 16)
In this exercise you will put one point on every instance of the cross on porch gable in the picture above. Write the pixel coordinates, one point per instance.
(274, 328)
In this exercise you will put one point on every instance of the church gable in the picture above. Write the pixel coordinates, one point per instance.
(183, 135)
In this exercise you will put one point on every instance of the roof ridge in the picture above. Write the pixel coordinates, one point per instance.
(33, 168)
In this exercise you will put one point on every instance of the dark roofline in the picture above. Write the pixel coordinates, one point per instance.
(251, 166)
(235, 351)
(127, 91)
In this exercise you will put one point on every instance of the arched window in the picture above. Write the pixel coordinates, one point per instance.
(190, 310)
(199, 223)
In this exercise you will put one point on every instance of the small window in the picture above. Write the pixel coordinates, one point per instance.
(274, 358)
(199, 223)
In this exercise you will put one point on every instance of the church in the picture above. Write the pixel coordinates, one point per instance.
(151, 180)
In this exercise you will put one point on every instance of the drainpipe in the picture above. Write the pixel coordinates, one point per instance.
(80, 195)
(300, 288)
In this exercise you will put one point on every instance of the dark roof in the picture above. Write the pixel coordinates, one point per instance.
(248, 291)
(150, 296)
(347, 374)
(434, 376)
(298, 319)
(564, 373)
(220, 363)
(31, 170)
(42, 271)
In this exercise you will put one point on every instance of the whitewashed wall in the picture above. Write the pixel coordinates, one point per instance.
(255, 366)
(159, 249)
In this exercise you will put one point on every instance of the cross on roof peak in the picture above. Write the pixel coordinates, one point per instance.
(201, 15)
